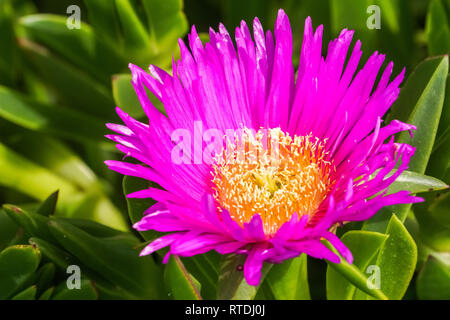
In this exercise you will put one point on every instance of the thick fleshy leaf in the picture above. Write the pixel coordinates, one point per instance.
(420, 103)
(119, 264)
(20, 174)
(8, 230)
(439, 164)
(72, 86)
(45, 277)
(87, 291)
(232, 284)
(354, 275)
(51, 252)
(23, 175)
(397, 261)
(103, 19)
(27, 294)
(167, 22)
(364, 246)
(8, 46)
(126, 98)
(416, 183)
(79, 46)
(180, 283)
(437, 29)
(47, 208)
(34, 224)
(135, 34)
(136, 207)
(433, 282)
(433, 217)
(205, 268)
(427, 108)
(47, 294)
(17, 265)
(289, 280)
(35, 116)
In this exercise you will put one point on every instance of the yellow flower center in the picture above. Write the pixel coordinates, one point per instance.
(270, 173)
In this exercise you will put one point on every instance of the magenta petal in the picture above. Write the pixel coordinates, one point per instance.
(339, 246)
(254, 229)
(160, 243)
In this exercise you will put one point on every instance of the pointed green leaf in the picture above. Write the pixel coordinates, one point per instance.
(232, 284)
(63, 122)
(135, 34)
(364, 246)
(103, 19)
(79, 46)
(8, 46)
(118, 263)
(437, 29)
(289, 280)
(397, 260)
(47, 294)
(136, 207)
(205, 268)
(427, 110)
(354, 275)
(47, 208)
(45, 276)
(167, 22)
(433, 282)
(17, 265)
(27, 294)
(180, 283)
(126, 98)
(423, 92)
(87, 291)
(416, 183)
(72, 86)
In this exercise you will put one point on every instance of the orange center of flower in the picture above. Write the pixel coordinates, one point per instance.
(270, 173)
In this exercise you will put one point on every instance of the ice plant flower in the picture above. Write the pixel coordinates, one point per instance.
(333, 160)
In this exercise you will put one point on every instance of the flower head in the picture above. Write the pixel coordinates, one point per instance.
(257, 160)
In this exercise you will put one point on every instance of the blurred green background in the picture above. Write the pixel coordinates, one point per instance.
(59, 86)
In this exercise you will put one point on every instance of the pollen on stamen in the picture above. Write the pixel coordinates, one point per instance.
(273, 174)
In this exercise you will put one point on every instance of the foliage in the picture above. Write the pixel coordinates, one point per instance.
(59, 86)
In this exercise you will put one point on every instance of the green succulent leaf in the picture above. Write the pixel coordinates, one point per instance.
(397, 261)
(87, 291)
(126, 98)
(416, 183)
(8, 46)
(424, 92)
(47, 294)
(364, 246)
(27, 294)
(35, 116)
(17, 266)
(117, 262)
(354, 275)
(437, 29)
(205, 268)
(289, 280)
(181, 284)
(73, 87)
(433, 282)
(45, 276)
(78, 46)
(167, 22)
(103, 19)
(136, 207)
(232, 284)
(48, 207)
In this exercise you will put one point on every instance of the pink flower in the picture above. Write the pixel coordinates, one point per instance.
(332, 162)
